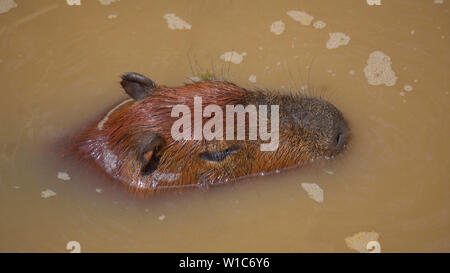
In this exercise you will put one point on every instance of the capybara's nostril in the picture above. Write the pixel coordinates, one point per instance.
(340, 140)
(341, 136)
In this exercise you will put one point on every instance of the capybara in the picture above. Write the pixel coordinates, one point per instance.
(134, 142)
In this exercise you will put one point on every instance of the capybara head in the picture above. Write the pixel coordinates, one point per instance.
(136, 143)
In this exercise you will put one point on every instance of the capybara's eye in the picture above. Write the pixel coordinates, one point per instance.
(218, 155)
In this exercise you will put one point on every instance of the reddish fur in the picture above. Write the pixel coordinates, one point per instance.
(152, 114)
(133, 121)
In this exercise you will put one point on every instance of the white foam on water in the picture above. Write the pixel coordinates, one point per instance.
(407, 88)
(175, 22)
(7, 5)
(373, 2)
(337, 39)
(314, 191)
(360, 241)
(301, 17)
(47, 193)
(107, 2)
(233, 56)
(277, 27)
(319, 24)
(378, 70)
(63, 176)
(73, 2)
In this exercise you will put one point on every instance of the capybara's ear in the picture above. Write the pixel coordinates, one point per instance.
(149, 152)
(137, 86)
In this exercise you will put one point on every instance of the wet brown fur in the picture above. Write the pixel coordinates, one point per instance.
(306, 126)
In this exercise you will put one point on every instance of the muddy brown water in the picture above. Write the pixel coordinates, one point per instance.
(60, 67)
